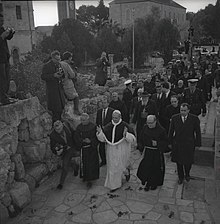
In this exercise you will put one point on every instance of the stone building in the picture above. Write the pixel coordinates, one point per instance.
(19, 15)
(66, 9)
(124, 12)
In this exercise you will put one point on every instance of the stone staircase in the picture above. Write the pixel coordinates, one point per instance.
(204, 156)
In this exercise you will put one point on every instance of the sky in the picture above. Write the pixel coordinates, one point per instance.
(45, 12)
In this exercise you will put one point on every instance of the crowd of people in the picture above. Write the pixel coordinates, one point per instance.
(160, 114)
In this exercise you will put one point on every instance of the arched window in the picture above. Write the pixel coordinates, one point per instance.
(128, 16)
(15, 56)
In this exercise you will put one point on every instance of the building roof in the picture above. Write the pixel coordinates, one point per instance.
(164, 2)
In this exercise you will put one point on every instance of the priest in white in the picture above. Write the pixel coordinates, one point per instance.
(118, 137)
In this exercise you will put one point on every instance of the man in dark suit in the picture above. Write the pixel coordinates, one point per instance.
(184, 136)
(52, 74)
(167, 93)
(144, 108)
(127, 99)
(5, 34)
(103, 117)
(63, 145)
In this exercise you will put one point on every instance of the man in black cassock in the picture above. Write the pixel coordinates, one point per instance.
(144, 108)
(155, 141)
(87, 143)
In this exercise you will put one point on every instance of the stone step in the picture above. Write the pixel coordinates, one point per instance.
(208, 140)
(204, 156)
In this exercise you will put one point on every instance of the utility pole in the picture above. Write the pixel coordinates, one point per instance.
(133, 10)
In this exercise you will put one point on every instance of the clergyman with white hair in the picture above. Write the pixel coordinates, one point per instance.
(118, 137)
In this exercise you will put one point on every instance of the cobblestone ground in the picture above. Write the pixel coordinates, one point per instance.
(130, 205)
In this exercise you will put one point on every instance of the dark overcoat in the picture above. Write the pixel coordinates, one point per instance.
(54, 87)
(184, 137)
(101, 72)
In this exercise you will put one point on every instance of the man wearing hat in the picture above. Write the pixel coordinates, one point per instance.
(5, 34)
(194, 97)
(144, 108)
(127, 98)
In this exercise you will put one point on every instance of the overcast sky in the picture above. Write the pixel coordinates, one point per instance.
(45, 12)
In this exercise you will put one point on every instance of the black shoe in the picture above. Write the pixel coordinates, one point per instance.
(113, 190)
(180, 181)
(127, 176)
(59, 186)
(147, 188)
(76, 171)
(187, 178)
(102, 164)
(153, 188)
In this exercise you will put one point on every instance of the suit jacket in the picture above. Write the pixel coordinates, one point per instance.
(108, 117)
(184, 137)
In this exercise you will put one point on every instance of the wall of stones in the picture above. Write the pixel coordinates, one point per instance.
(25, 155)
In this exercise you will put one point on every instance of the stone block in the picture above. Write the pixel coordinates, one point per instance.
(20, 194)
(5, 198)
(46, 121)
(10, 179)
(19, 166)
(52, 164)
(3, 214)
(37, 171)
(30, 182)
(36, 129)
(23, 135)
(23, 125)
(12, 166)
(4, 129)
(31, 152)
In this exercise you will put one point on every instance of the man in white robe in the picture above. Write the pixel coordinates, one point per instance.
(118, 137)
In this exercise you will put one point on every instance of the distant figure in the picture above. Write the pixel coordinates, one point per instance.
(155, 142)
(118, 137)
(184, 136)
(101, 72)
(52, 74)
(123, 70)
(87, 143)
(5, 34)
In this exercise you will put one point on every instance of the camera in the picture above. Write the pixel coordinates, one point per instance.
(61, 72)
(11, 30)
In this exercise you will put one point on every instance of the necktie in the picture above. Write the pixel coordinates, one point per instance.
(103, 116)
(184, 119)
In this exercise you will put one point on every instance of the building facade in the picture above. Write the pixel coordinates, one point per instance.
(19, 15)
(125, 12)
(66, 9)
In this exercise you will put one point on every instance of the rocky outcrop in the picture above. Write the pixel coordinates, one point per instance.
(25, 155)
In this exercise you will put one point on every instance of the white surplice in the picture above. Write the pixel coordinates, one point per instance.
(117, 157)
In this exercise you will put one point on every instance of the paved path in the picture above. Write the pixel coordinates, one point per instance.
(130, 205)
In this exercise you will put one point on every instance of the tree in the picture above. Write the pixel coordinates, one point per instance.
(73, 36)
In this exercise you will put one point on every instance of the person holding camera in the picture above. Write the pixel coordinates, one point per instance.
(53, 74)
(101, 72)
(68, 84)
(63, 145)
(5, 34)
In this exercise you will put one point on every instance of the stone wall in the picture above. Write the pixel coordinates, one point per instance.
(25, 155)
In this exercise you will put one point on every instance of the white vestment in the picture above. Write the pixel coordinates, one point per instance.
(117, 158)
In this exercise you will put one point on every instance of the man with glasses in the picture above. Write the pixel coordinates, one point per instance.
(184, 136)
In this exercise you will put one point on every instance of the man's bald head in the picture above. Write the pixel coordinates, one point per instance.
(151, 121)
